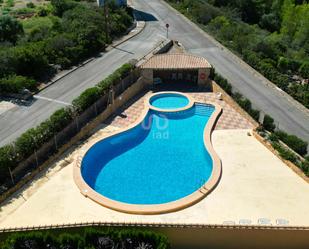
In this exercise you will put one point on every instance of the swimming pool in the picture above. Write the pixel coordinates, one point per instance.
(158, 165)
(169, 101)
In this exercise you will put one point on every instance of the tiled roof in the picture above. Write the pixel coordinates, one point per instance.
(176, 61)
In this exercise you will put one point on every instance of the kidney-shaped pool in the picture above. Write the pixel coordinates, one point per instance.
(161, 160)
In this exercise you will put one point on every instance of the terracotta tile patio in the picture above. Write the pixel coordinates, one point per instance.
(230, 118)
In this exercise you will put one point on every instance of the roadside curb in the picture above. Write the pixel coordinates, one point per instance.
(262, 78)
(138, 27)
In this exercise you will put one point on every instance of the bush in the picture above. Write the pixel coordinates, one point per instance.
(268, 123)
(285, 153)
(305, 167)
(30, 5)
(62, 50)
(14, 84)
(10, 29)
(87, 238)
(295, 143)
(246, 105)
(61, 6)
(115, 77)
(60, 119)
(86, 99)
(304, 70)
(30, 60)
(7, 160)
(226, 86)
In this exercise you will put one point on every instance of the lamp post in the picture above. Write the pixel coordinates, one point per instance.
(167, 26)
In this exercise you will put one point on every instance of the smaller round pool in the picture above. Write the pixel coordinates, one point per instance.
(168, 101)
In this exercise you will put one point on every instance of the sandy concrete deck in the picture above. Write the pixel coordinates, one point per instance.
(255, 184)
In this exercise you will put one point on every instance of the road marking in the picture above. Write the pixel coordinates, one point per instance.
(52, 100)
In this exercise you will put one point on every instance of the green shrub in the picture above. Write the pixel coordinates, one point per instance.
(10, 29)
(285, 153)
(246, 105)
(60, 119)
(268, 123)
(273, 137)
(30, 5)
(86, 99)
(125, 69)
(295, 143)
(87, 238)
(304, 70)
(226, 86)
(23, 11)
(115, 77)
(14, 84)
(61, 6)
(305, 167)
(34, 57)
(7, 159)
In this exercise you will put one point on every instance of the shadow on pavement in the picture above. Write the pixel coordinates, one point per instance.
(144, 16)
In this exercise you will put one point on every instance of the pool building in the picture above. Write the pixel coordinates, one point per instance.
(177, 68)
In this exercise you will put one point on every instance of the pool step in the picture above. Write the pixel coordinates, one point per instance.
(203, 110)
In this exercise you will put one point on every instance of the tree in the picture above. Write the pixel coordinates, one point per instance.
(304, 70)
(7, 160)
(62, 50)
(61, 6)
(15, 83)
(271, 22)
(30, 60)
(10, 29)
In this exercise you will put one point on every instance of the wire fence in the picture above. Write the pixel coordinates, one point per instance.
(151, 225)
(51, 147)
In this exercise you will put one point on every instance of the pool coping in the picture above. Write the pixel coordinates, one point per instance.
(179, 204)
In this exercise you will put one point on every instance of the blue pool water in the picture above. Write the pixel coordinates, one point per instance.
(161, 160)
(169, 101)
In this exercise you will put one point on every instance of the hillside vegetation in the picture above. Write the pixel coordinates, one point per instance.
(270, 35)
(59, 35)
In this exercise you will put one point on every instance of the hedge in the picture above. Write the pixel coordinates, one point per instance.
(268, 123)
(86, 99)
(15, 84)
(293, 142)
(87, 238)
(91, 95)
(34, 138)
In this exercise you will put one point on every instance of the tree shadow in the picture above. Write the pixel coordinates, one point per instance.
(144, 16)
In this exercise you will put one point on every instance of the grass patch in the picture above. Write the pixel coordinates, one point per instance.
(37, 22)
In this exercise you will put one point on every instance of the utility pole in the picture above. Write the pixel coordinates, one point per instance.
(106, 20)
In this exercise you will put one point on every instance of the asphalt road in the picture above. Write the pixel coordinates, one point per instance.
(157, 14)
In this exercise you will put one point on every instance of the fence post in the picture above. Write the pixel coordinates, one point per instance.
(36, 158)
(76, 122)
(55, 139)
(95, 108)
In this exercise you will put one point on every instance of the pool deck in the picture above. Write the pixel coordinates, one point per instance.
(255, 186)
